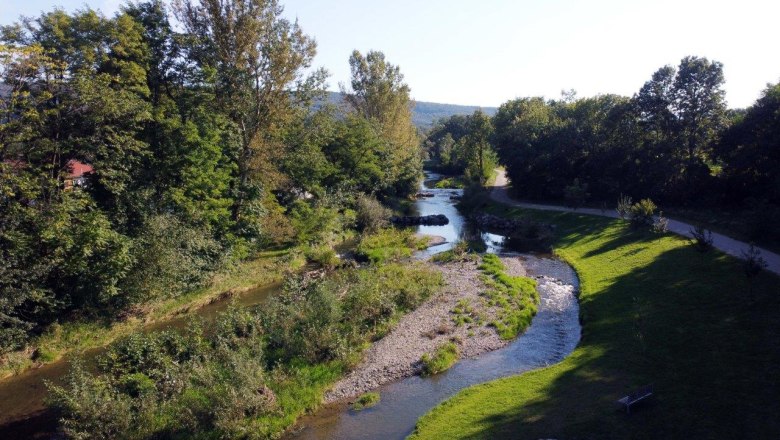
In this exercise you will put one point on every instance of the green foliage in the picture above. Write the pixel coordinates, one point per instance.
(638, 295)
(207, 380)
(641, 213)
(322, 255)
(460, 145)
(516, 297)
(371, 214)
(171, 257)
(748, 150)
(366, 401)
(379, 95)
(321, 322)
(657, 144)
(389, 245)
(441, 360)
(450, 182)
(460, 252)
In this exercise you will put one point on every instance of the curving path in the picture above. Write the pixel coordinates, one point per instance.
(726, 244)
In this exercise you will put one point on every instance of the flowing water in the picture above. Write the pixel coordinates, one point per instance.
(553, 334)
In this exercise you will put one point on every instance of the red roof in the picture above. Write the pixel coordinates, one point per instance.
(78, 169)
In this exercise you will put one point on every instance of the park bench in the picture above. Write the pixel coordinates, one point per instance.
(638, 395)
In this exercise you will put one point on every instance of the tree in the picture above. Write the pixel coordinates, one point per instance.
(380, 95)
(255, 59)
(750, 153)
(476, 145)
(699, 105)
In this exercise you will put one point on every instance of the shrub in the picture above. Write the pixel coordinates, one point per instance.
(322, 255)
(702, 238)
(91, 409)
(460, 252)
(366, 400)
(450, 183)
(641, 213)
(389, 245)
(661, 224)
(624, 207)
(371, 214)
(441, 360)
(753, 262)
(171, 257)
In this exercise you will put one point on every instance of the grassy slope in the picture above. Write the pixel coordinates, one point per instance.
(74, 336)
(653, 311)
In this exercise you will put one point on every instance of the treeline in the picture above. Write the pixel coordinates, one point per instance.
(460, 145)
(674, 141)
(201, 145)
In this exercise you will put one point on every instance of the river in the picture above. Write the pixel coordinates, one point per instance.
(553, 334)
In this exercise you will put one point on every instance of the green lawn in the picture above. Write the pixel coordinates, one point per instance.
(653, 311)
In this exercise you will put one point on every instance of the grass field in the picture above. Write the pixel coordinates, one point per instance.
(653, 311)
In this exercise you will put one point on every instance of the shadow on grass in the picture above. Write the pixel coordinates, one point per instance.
(681, 321)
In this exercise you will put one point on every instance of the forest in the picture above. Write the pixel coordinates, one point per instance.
(202, 146)
(177, 154)
(674, 141)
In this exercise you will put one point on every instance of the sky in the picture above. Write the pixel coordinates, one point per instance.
(486, 52)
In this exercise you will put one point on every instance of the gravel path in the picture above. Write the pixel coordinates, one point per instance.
(726, 244)
(397, 355)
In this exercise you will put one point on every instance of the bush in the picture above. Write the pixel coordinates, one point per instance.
(641, 213)
(450, 183)
(371, 214)
(753, 262)
(389, 245)
(661, 224)
(162, 384)
(322, 255)
(442, 359)
(460, 252)
(366, 400)
(624, 207)
(702, 238)
(171, 258)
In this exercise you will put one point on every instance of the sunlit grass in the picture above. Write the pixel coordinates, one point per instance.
(653, 311)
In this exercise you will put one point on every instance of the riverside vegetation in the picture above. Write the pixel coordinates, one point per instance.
(198, 167)
(250, 373)
(654, 310)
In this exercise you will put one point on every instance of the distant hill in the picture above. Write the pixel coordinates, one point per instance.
(426, 113)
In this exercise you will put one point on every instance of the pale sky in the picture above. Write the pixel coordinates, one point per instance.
(487, 52)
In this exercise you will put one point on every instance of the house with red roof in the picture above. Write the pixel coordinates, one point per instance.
(77, 173)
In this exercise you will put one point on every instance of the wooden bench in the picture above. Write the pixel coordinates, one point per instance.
(638, 395)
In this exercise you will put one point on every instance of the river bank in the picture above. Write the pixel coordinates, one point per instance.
(433, 324)
(405, 396)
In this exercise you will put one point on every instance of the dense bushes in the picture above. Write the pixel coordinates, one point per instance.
(209, 379)
(323, 321)
(179, 169)
(234, 378)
